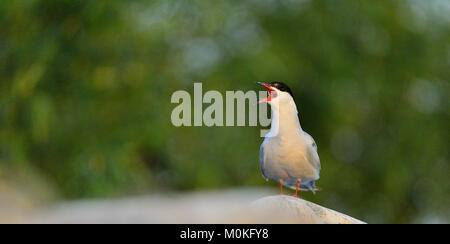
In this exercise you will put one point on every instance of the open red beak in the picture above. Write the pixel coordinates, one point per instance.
(269, 89)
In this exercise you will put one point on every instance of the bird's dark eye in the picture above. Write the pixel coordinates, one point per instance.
(282, 87)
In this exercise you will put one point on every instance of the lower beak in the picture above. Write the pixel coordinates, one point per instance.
(269, 90)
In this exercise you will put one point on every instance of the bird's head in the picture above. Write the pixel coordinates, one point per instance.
(279, 93)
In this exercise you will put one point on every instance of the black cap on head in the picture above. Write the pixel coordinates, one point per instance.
(282, 87)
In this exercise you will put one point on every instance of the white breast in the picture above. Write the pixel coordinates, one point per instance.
(288, 157)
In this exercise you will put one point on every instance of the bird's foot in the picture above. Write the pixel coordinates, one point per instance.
(296, 196)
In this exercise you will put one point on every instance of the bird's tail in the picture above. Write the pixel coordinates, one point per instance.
(309, 187)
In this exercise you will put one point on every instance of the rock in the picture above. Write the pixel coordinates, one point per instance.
(287, 209)
(216, 207)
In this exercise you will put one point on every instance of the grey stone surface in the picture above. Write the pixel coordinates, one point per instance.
(287, 209)
(229, 206)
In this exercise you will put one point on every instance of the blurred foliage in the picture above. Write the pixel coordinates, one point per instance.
(85, 91)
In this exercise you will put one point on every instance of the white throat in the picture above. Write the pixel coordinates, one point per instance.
(284, 119)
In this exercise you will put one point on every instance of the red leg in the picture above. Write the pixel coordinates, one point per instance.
(281, 187)
(296, 190)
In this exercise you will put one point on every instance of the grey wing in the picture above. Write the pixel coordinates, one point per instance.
(313, 155)
(261, 160)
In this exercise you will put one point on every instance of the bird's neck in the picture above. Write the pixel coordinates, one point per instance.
(285, 120)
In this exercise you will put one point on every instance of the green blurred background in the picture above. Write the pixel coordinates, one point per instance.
(85, 90)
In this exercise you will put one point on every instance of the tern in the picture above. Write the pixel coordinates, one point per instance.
(288, 154)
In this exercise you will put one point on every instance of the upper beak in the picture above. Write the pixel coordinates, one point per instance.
(269, 90)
